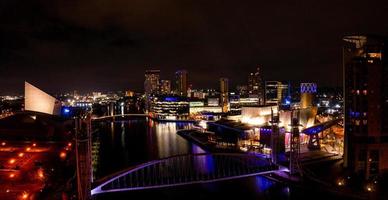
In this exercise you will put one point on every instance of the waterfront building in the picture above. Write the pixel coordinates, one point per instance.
(234, 102)
(169, 108)
(213, 101)
(276, 92)
(252, 100)
(366, 104)
(181, 83)
(151, 82)
(198, 94)
(205, 109)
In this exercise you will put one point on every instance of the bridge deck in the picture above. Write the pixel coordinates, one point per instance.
(187, 169)
(320, 127)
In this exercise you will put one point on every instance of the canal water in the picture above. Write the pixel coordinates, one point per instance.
(122, 144)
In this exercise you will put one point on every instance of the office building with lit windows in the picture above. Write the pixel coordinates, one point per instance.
(181, 84)
(151, 82)
(276, 92)
(169, 108)
(256, 85)
(165, 87)
(366, 104)
(224, 94)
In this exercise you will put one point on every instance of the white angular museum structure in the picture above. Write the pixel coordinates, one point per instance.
(39, 101)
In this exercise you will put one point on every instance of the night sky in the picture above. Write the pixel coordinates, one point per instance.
(63, 45)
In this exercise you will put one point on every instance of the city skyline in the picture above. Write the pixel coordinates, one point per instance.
(78, 43)
(193, 99)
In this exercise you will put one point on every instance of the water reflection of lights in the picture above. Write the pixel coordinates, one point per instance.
(123, 134)
(112, 130)
(286, 191)
(204, 163)
(166, 139)
(168, 142)
(197, 150)
(263, 183)
(159, 140)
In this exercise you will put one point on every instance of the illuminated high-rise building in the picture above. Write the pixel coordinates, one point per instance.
(224, 96)
(151, 82)
(255, 85)
(181, 83)
(307, 94)
(165, 86)
(366, 104)
(275, 92)
(242, 90)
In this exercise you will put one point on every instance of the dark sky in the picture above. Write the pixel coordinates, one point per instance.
(62, 45)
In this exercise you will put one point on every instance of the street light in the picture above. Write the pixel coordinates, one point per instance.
(40, 173)
(62, 155)
(12, 161)
(24, 195)
(341, 182)
(369, 188)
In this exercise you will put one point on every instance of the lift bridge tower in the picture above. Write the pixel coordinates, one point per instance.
(275, 136)
(295, 144)
(83, 155)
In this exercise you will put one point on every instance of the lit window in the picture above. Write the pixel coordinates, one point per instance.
(374, 55)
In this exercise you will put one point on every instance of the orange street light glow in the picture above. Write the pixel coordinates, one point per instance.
(24, 195)
(62, 155)
(34, 144)
(21, 154)
(3, 144)
(69, 144)
(40, 174)
(12, 175)
(28, 148)
(12, 161)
